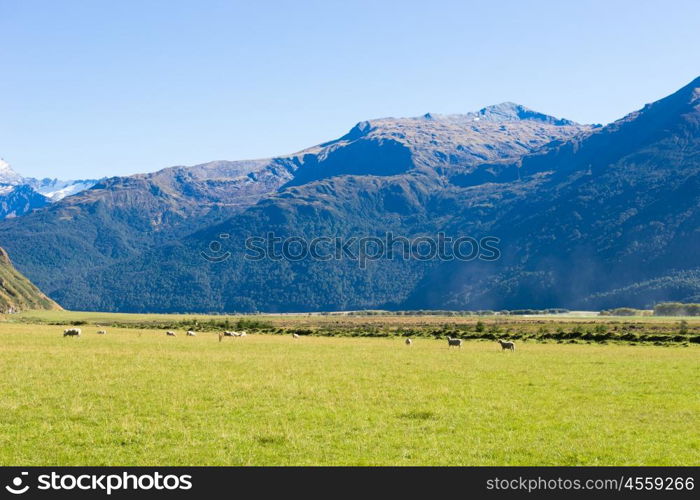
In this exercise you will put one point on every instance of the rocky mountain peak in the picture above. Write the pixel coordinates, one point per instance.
(7, 175)
(510, 111)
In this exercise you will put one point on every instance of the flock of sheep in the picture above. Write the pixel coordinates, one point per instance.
(231, 334)
(505, 346)
(75, 332)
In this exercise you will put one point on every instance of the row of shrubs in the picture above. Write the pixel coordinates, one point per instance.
(625, 311)
(662, 309)
(575, 334)
(676, 309)
(599, 333)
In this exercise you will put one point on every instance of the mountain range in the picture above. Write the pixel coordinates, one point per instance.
(20, 195)
(585, 217)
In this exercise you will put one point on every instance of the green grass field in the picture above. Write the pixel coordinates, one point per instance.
(137, 397)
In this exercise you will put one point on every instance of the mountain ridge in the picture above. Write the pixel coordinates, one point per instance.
(121, 217)
(560, 197)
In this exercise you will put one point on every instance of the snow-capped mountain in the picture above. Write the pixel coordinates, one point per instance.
(20, 195)
(7, 175)
(56, 189)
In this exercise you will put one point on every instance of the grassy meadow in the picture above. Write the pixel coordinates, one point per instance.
(137, 397)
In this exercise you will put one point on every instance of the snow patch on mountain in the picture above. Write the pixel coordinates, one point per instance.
(56, 189)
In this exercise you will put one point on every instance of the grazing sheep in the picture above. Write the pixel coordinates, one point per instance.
(102, 332)
(190, 333)
(408, 342)
(170, 334)
(454, 342)
(234, 334)
(71, 332)
(507, 346)
(295, 335)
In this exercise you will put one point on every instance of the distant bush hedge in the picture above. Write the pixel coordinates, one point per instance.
(624, 311)
(676, 309)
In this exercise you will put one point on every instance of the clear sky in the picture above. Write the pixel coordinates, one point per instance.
(99, 88)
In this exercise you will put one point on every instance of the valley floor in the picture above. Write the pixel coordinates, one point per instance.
(137, 397)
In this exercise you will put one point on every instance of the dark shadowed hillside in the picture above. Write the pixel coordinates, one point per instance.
(615, 220)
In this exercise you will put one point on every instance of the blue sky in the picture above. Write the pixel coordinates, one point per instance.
(98, 88)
